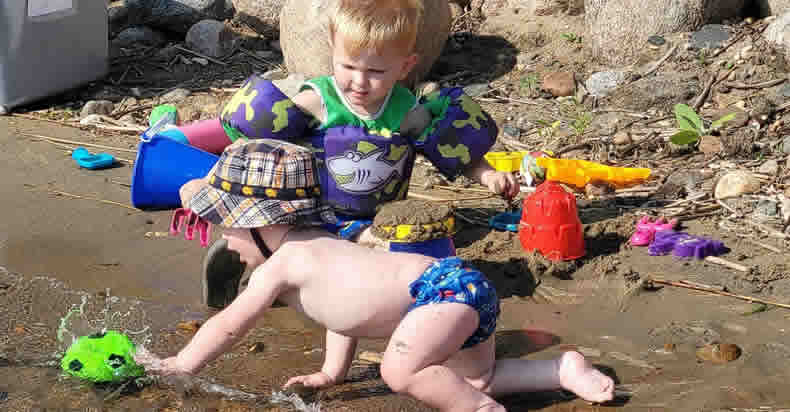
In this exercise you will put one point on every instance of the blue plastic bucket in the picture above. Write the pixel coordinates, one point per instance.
(437, 248)
(162, 166)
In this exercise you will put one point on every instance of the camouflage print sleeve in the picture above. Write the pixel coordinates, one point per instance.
(460, 133)
(259, 110)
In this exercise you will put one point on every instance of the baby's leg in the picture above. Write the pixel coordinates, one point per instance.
(425, 339)
(570, 371)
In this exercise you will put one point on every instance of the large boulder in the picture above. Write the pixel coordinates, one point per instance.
(773, 7)
(305, 41)
(618, 29)
(176, 15)
(778, 33)
(262, 15)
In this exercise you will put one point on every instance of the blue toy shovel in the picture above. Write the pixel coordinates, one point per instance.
(506, 221)
(92, 161)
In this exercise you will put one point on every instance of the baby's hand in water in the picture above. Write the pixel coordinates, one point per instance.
(155, 366)
(316, 380)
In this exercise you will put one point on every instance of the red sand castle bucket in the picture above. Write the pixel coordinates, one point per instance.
(550, 223)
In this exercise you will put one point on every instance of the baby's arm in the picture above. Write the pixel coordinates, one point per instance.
(227, 327)
(337, 360)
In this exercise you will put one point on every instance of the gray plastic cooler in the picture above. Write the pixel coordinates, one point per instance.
(49, 46)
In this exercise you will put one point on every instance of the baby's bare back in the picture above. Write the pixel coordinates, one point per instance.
(350, 289)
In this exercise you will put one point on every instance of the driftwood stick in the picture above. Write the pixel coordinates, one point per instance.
(727, 263)
(718, 292)
(109, 202)
(74, 142)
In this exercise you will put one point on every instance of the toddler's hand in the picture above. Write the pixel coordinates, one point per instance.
(316, 380)
(501, 183)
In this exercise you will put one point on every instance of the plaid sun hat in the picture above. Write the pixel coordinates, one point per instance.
(263, 182)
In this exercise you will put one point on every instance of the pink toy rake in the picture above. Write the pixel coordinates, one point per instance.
(186, 217)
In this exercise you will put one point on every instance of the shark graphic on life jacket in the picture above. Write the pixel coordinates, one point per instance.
(364, 173)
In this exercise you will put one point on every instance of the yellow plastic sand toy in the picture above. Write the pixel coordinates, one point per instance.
(505, 161)
(580, 172)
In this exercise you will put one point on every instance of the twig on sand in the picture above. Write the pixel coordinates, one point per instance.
(717, 292)
(470, 220)
(440, 199)
(704, 95)
(211, 59)
(109, 202)
(71, 148)
(74, 142)
(764, 245)
(771, 231)
(660, 61)
(761, 85)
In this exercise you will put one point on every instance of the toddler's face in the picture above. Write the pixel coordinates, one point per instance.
(366, 79)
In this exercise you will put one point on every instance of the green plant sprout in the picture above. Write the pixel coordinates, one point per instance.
(691, 125)
(529, 83)
(547, 129)
(581, 122)
(572, 37)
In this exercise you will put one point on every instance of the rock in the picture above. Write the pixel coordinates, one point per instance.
(656, 40)
(736, 183)
(622, 138)
(176, 15)
(710, 145)
(660, 92)
(290, 85)
(455, 10)
(770, 167)
(189, 326)
(175, 96)
(740, 120)
(139, 36)
(786, 145)
(117, 18)
(617, 29)
(427, 88)
(710, 36)
(719, 353)
(766, 209)
(511, 131)
(211, 38)
(784, 206)
(101, 107)
(559, 83)
(476, 89)
(370, 356)
(274, 74)
(778, 33)
(305, 45)
(601, 83)
(262, 15)
(773, 7)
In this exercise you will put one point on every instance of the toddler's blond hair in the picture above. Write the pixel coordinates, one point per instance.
(376, 24)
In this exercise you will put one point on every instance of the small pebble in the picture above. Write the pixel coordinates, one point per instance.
(656, 40)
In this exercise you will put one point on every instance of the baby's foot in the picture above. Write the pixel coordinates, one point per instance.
(579, 377)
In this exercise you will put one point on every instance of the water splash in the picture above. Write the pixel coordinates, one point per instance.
(295, 401)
